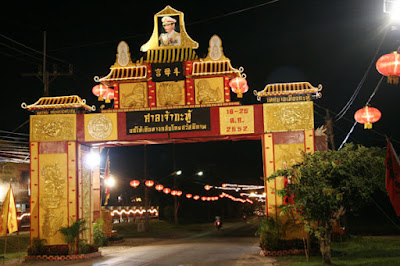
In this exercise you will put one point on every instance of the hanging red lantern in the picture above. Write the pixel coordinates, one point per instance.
(174, 192)
(207, 187)
(203, 198)
(149, 183)
(179, 193)
(196, 197)
(389, 65)
(239, 86)
(100, 91)
(159, 187)
(134, 183)
(109, 95)
(367, 116)
(166, 190)
(188, 196)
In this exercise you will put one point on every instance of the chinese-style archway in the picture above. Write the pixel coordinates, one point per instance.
(168, 95)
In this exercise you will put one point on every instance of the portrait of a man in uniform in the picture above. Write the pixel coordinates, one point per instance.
(169, 33)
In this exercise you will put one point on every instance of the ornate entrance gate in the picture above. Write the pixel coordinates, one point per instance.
(168, 95)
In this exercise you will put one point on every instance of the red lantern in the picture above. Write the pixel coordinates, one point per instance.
(166, 190)
(389, 65)
(159, 187)
(109, 95)
(179, 193)
(367, 116)
(134, 183)
(188, 196)
(174, 192)
(100, 91)
(203, 198)
(239, 86)
(149, 183)
(224, 185)
(196, 197)
(207, 187)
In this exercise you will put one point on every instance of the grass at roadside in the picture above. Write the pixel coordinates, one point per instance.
(356, 251)
(16, 245)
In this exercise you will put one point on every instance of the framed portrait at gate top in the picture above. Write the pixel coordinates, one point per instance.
(169, 31)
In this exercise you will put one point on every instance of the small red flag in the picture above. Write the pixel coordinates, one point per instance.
(392, 164)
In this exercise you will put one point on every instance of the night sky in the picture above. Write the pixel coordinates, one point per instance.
(323, 42)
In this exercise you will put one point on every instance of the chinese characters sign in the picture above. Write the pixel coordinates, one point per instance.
(164, 121)
(236, 120)
(167, 72)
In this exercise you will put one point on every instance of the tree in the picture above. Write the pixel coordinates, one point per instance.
(327, 184)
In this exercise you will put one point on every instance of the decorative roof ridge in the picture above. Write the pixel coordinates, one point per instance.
(282, 89)
(57, 102)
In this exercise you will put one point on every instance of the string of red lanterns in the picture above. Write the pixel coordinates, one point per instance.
(178, 193)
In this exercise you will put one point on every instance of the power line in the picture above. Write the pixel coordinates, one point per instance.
(357, 90)
(189, 24)
(30, 48)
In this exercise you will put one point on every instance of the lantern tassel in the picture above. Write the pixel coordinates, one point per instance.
(367, 125)
(393, 79)
(240, 95)
(100, 98)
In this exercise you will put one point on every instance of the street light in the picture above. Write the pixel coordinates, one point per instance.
(109, 182)
(392, 7)
(92, 159)
(200, 173)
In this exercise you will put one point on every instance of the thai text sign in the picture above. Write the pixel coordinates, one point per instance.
(167, 72)
(163, 121)
(289, 98)
(236, 120)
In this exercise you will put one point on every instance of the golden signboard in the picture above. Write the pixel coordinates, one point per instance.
(236, 120)
(288, 116)
(101, 127)
(53, 127)
(209, 90)
(133, 95)
(53, 208)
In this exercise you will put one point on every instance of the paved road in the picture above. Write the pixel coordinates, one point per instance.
(231, 246)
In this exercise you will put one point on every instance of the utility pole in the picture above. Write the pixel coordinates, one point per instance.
(44, 75)
(146, 195)
(329, 129)
(176, 204)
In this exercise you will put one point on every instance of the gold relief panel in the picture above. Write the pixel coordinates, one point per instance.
(170, 93)
(209, 90)
(133, 95)
(53, 209)
(101, 127)
(287, 155)
(53, 127)
(288, 116)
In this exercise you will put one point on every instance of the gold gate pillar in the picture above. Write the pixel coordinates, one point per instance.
(60, 182)
(289, 131)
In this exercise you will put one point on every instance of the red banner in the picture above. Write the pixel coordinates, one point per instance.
(393, 177)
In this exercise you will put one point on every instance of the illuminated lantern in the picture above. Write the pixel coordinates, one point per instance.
(134, 183)
(367, 116)
(389, 65)
(149, 183)
(109, 95)
(208, 198)
(224, 185)
(166, 190)
(203, 198)
(174, 192)
(207, 187)
(188, 196)
(179, 193)
(196, 197)
(239, 86)
(159, 187)
(100, 91)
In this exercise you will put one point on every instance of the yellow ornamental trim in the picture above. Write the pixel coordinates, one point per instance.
(203, 68)
(126, 73)
(60, 102)
(169, 56)
(282, 89)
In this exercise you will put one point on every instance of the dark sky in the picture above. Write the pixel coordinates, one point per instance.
(324, 42)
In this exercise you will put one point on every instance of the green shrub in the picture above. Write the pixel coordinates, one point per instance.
(99, 237)
(72, 232)
(38, 248)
